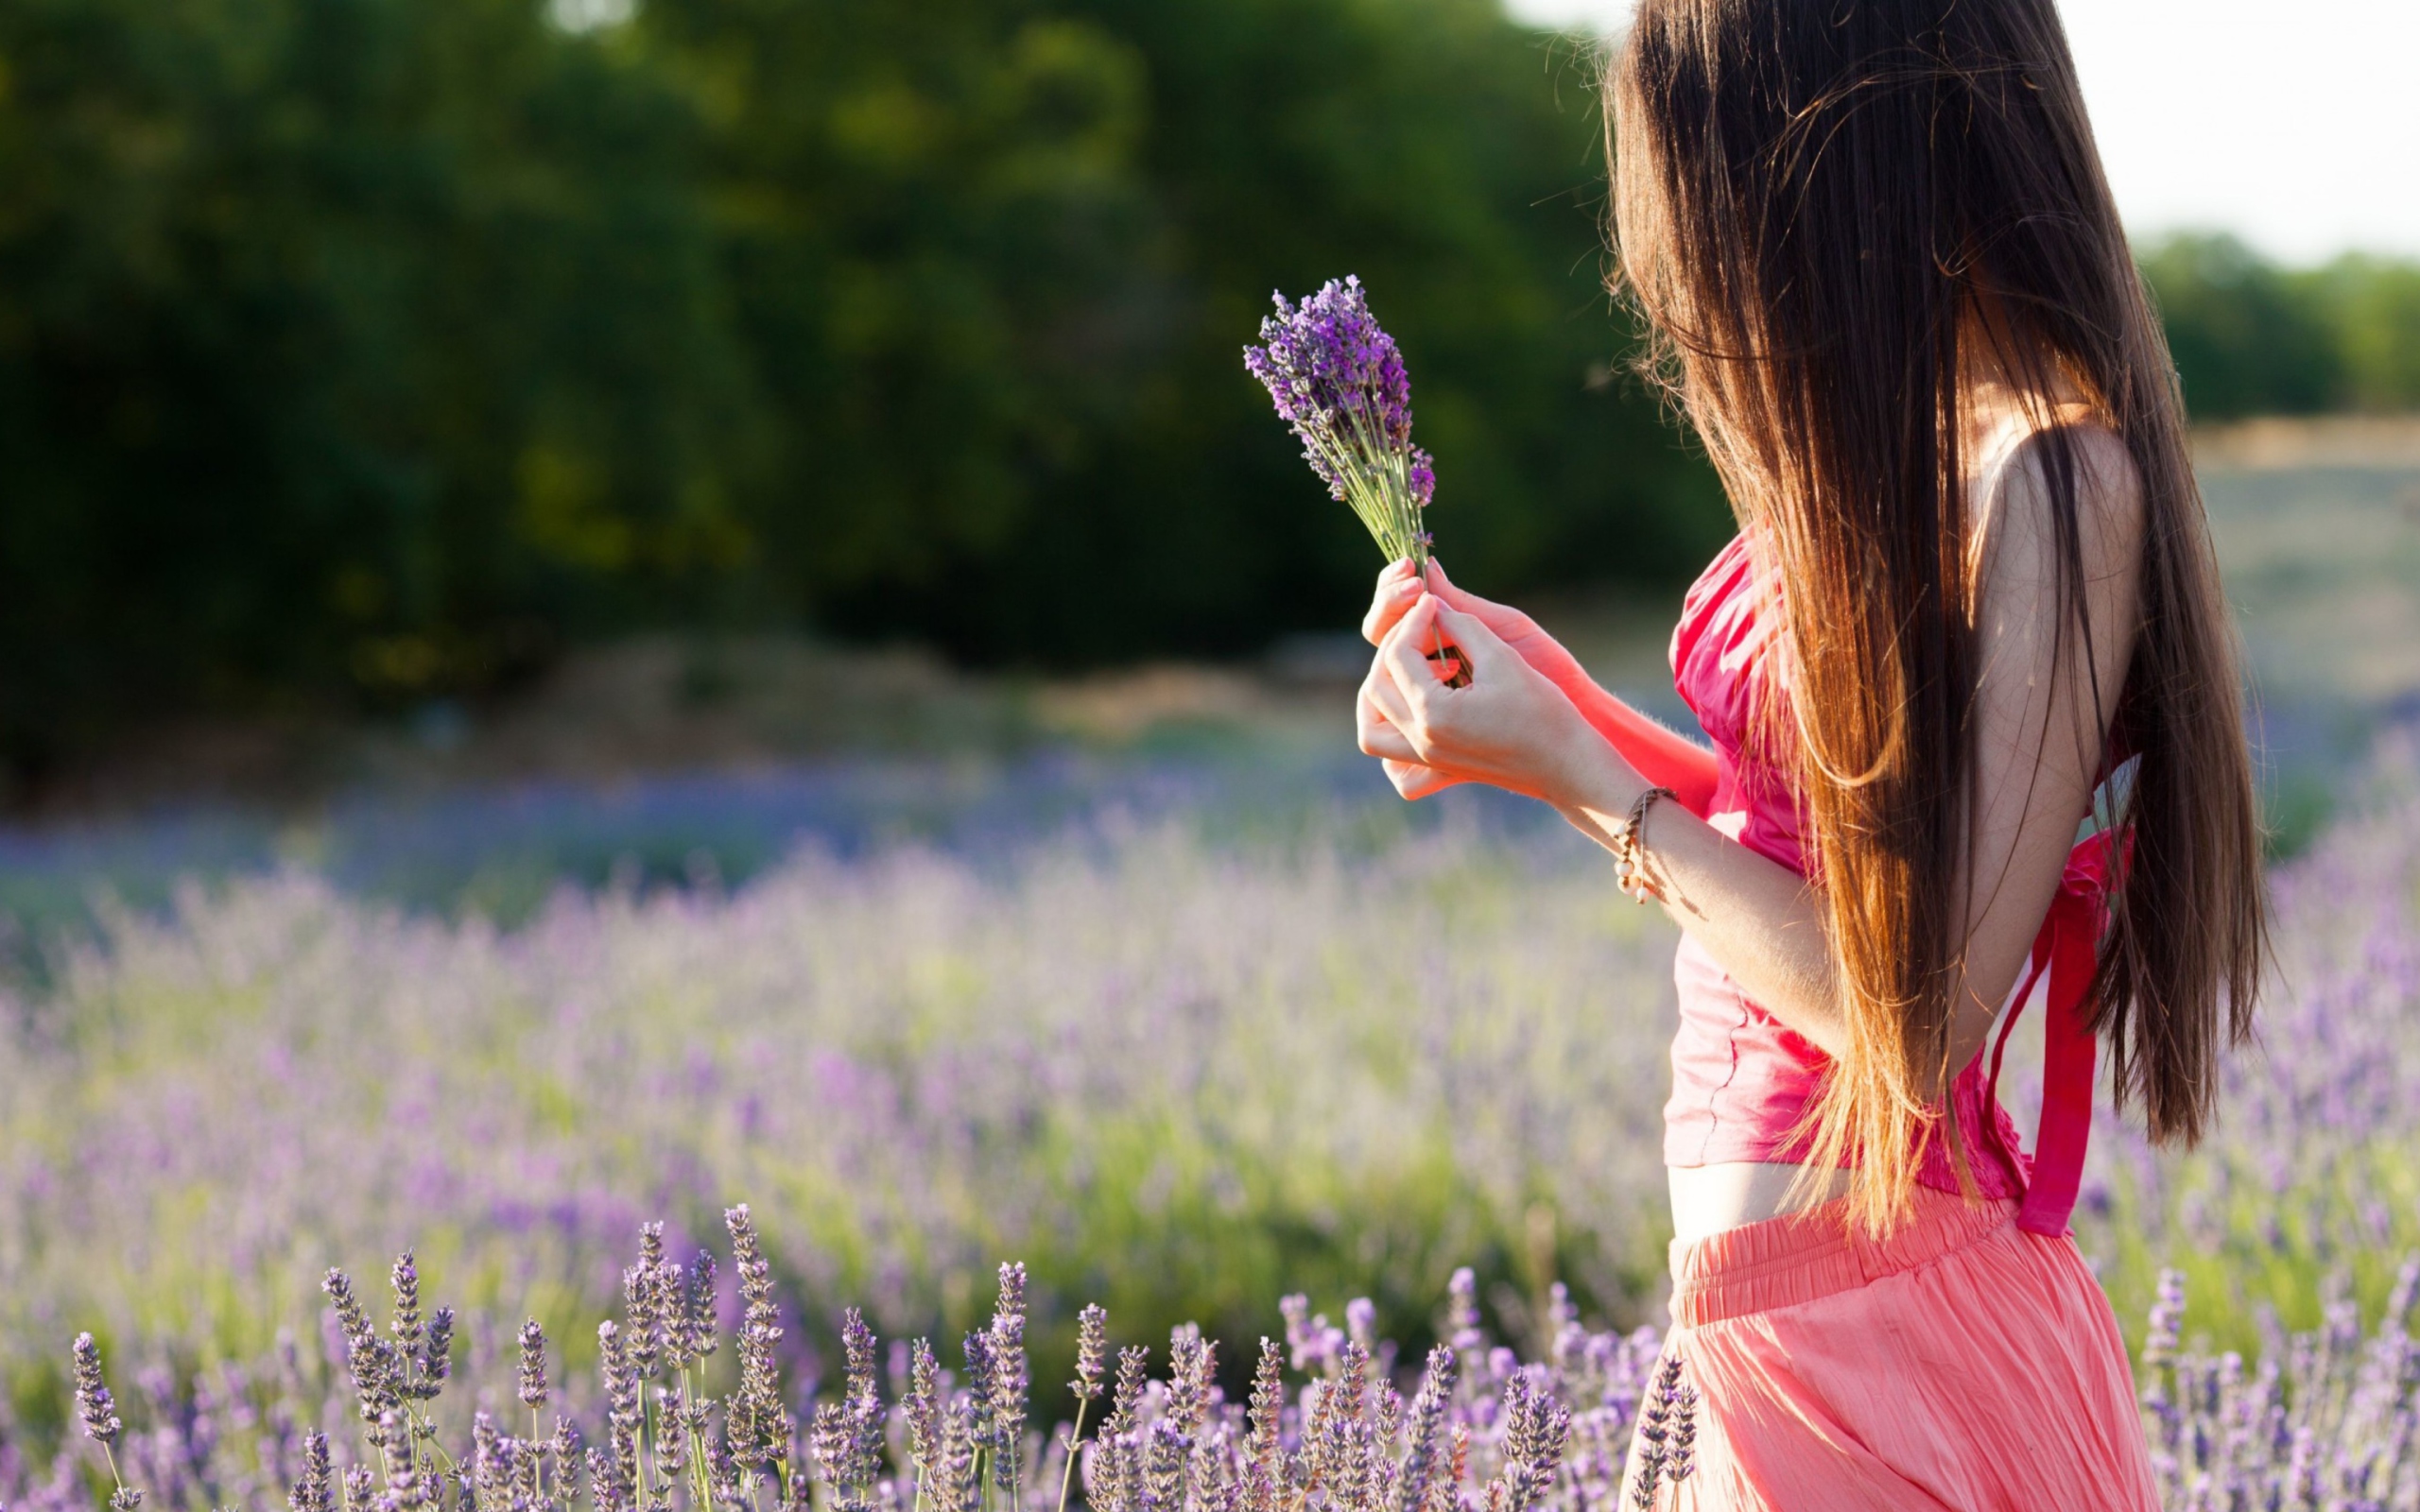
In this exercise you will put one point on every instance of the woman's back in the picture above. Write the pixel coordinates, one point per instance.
(1743, 1082)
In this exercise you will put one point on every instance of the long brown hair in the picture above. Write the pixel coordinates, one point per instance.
(1823, 209)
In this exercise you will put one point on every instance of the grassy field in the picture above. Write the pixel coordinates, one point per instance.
(2318, 526)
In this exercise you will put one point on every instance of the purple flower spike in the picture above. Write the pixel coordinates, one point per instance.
(1092, 1351)
(533, 1365)
(94, 1403)
(1338, 380)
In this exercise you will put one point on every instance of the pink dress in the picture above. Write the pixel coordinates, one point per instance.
(1968, 1360)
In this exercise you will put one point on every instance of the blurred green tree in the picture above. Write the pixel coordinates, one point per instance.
(2373, 306)
(2246, 336)
(996, 263)
(2251, 338)
(350, 347)
(358, 351)
(361, 350)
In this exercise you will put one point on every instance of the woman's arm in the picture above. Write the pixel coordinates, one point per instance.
(2039, 737)
(1513, 728)
(1665, 757)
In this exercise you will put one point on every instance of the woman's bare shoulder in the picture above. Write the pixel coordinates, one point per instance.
(2017, 506)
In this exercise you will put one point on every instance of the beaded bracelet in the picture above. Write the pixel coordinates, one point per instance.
(1629, 850)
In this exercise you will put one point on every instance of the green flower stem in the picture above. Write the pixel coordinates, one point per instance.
(1075, 1443)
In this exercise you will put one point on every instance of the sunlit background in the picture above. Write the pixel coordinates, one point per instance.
(2292, 126)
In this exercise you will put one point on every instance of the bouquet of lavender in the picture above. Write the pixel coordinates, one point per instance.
(1339, 382)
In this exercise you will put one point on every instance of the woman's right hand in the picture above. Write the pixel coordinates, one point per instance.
(1398, 590)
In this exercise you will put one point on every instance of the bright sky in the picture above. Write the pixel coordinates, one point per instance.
(2295, 125)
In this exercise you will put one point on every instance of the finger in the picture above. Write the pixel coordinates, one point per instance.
(1397, 588)
(1480, 643)
(1403, 653)
(1414, 781)
(1387, 701)
(1378, 736)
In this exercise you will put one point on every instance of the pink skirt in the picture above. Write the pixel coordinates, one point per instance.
(1962, 1364)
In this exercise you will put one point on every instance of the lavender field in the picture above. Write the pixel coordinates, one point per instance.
(1180, 1078)
(1174, 1070)
(1187, 1024)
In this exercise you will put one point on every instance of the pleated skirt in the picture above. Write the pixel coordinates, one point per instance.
(1960, 1364)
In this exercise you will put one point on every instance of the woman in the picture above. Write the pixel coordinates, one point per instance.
(1972, 610)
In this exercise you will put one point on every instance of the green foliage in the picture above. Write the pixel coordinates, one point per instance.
(2244, 334)
(2374, 306)
(357, 350)
(345, 344)
(2253, 339)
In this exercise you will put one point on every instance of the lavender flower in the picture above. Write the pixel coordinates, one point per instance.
(406, 1324)
(1133, 1375)
(98, 1412)
(1427, 1460)
(921, 1409)
(644, 1303)
(1681, 1458)
(1266, 1464)
(1361, 1323)
(620, 1485)
(1315, 1344)
(312, 1490)
(956, 1487)
(93, 1404)
(1007, 1381)
(1115, 1481)
(697, 1309)
(1092, 1351)
(1536, 1427)
(605, 1487)
(488, 1479)
(977, 1350)
(533, 1365)
(396, 1458)
(563, 1458)
(1461, 1311)
(2167, 1320)
(350, 1317)
(1167, 1449)
(1191, 1360)
(847, 1436)
(759, 1426)
(375, 1367)
(437, 1357)
(1655, 1432)
(1338, 378)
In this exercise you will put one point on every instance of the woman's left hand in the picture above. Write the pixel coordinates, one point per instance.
(1510, 727)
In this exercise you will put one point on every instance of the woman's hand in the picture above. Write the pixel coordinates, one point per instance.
(1511, 727)
(1658, 754)
(1399, 588)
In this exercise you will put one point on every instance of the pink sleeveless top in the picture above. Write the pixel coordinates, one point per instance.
(1741, 1080)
